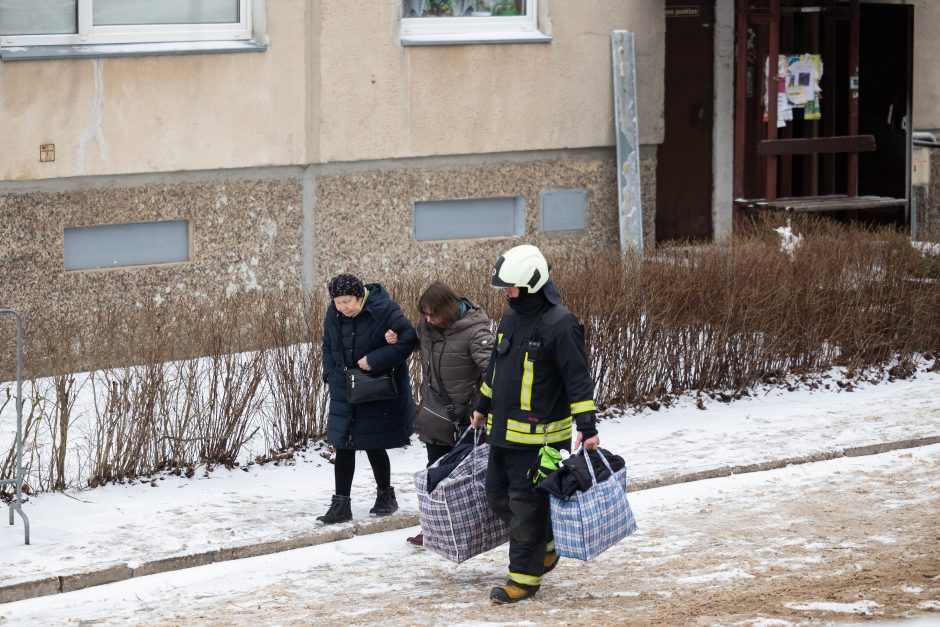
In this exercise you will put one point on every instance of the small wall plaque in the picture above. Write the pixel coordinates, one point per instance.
(46, 153)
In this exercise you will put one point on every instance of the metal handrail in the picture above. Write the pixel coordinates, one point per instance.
(17, 481)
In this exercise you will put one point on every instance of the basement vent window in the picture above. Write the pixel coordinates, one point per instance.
(564, 209)
(122, 245)
(471, 218)
(44, 29)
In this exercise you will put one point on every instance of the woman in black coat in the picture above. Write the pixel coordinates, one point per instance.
(354, 333)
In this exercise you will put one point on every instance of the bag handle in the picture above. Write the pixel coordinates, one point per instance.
(590, 464)
(477, 433)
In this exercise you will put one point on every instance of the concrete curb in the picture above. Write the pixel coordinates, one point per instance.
(114, 572)
(727, 471)
(122, 571)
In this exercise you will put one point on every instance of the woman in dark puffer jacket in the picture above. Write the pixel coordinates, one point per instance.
(456, 340)
(354, 336)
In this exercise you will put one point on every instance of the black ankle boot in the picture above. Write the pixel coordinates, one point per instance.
(385, 502)
(340, 511)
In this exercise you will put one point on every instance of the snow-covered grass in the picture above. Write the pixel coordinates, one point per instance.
(696, 541)
(173, 515)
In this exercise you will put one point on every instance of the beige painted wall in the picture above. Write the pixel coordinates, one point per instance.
(159, 113)
(380, 100)
(358, 97)
(926, 66)
(334, 85)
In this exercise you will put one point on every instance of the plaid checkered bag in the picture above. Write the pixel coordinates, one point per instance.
(588, 523)
(456, 520)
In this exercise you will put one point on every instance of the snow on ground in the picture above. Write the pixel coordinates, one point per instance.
(76, 531)
(785, 547)
(811, 536)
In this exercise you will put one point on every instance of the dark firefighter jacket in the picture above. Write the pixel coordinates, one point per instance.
(538, 381)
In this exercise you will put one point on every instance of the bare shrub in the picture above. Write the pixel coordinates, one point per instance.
(712, 317)
(178, 416)
(58, 424)
(228, 405)
(124, 437)
(677, 319)
(33, 406)
(40, 410)
(294, 376)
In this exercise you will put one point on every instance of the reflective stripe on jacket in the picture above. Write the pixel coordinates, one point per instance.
(538, 384)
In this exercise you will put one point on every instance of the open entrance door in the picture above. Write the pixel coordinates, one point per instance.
(845, 153)
(684, 159)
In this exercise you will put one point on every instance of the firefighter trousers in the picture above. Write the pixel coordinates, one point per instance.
(512, 496)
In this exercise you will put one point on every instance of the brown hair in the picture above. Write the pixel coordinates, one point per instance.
(441, 302)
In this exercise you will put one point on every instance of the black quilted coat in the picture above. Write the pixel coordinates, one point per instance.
(382, 424)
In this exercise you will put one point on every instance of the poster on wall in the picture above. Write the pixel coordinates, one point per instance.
(798, 78)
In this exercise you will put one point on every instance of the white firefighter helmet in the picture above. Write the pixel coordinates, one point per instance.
(523, 267)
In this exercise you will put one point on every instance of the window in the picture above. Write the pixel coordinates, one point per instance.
(119, 245)
(564, 209)
(437, 22)
(89, 22)
(470, 218)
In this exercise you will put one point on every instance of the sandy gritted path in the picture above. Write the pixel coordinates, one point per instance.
(836, 541)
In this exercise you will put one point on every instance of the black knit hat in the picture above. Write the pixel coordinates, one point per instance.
(346, 285)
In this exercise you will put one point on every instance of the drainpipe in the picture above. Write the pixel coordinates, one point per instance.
(928, 140)
(920, 139)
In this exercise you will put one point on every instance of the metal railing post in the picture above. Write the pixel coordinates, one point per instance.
(17, 482)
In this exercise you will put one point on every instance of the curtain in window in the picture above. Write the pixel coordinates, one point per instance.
(462, 8)
(131, 12)
(38, 17)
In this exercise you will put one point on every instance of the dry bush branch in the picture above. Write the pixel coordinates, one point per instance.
(723, 316)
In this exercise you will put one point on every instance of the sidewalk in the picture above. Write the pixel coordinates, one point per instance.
(109, 534)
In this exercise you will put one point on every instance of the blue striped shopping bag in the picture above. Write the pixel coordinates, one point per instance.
(588, 523)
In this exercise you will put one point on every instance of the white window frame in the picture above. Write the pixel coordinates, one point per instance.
(430, 31)
(89, 34)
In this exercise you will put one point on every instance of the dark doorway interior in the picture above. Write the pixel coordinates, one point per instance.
(684, 159)
(885, 60)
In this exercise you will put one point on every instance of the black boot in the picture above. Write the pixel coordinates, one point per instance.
(512, 592)
(340, 511)
(385, 502)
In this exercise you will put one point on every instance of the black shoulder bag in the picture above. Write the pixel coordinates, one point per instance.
(368, 387)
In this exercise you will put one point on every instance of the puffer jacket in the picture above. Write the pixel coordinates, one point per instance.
(458, 355)
(382, 424)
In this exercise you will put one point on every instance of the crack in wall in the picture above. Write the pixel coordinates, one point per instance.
(94, 132)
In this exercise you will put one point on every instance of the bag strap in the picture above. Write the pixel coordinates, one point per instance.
(448, 404)
(352, 348)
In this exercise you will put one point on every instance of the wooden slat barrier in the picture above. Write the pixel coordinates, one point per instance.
(816, 145)
(814, 204)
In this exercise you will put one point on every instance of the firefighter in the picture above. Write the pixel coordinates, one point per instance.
(536, 391)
